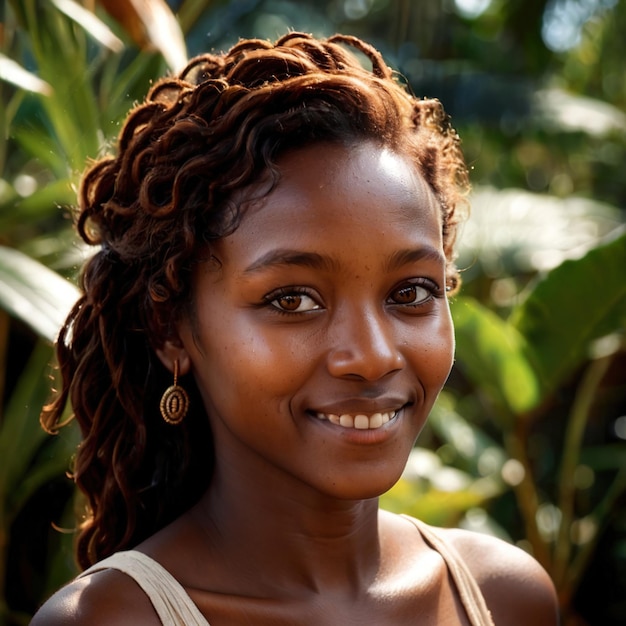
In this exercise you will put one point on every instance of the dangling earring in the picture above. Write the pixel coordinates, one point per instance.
(175, 401)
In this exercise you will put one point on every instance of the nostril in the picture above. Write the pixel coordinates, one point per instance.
(363, 365)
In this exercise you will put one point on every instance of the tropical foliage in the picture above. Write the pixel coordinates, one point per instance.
(527, 441)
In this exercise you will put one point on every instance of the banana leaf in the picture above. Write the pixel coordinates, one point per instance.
(33, 293)
(578, 302)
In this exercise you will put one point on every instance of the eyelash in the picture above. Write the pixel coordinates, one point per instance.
(428, 285)
(285, 292)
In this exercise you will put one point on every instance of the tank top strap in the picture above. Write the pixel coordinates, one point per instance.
(469, 591)
(170, 600)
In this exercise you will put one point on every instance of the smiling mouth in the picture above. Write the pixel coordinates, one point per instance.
(360, 421)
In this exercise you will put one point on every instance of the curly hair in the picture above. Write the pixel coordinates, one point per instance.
(216, 128)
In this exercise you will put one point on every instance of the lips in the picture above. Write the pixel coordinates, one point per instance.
(358, 421)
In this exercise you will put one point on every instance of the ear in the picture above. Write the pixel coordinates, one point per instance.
(173, 350)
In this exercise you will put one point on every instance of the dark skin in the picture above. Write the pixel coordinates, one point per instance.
(329, 300)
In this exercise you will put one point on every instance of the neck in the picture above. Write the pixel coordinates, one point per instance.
(298, 538)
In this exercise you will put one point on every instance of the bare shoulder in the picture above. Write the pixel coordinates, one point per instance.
(103, 598)
(516, 587)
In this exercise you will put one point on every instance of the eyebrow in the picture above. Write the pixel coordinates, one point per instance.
(412, 255)
(286, 257)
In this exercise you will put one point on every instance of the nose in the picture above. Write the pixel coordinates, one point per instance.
(363, 347)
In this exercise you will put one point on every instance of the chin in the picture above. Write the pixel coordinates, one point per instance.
(364, 489)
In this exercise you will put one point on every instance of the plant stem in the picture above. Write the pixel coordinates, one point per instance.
(601, 515)
(4, 342)
(4, 545)
(527, 497)
(583, 401)
(4, 526)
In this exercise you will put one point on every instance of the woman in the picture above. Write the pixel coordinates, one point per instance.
(275, 236)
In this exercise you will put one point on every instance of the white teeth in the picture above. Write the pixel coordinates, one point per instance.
(360, 422)
(376, 421)
(347, 421)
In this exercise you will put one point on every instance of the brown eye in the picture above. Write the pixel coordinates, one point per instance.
(294, 302)
(411, 295)
(289, 303)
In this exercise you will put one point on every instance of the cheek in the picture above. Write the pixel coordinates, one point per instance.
(241, 360)
(433, 355)
(268, 354)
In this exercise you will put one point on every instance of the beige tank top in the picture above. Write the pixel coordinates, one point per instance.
(175, 608)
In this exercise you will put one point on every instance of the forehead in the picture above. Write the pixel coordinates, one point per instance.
(330, 194)
(361, 171)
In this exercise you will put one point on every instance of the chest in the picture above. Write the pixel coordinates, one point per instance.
(437, 605)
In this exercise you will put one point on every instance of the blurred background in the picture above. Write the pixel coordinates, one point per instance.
(528, 440)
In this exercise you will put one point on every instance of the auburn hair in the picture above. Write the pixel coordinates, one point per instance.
(149, 210)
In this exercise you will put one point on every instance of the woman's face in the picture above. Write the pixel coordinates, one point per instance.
(322, 337)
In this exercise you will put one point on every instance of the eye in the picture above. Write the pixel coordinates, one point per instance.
(413, 294)
(292, 301)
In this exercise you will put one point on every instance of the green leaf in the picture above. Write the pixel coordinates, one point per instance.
(90, 23)
(60, 50)
(433, 506)
(579, 301)
(41, 204)
(30, 457)
(13, 73)
(437, 493)
(37, 140)
(52, 462)
(21, 434)
(33, 293)
(482, 454)
(492, 353)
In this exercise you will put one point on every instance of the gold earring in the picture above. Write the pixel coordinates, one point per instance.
(175, 401)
